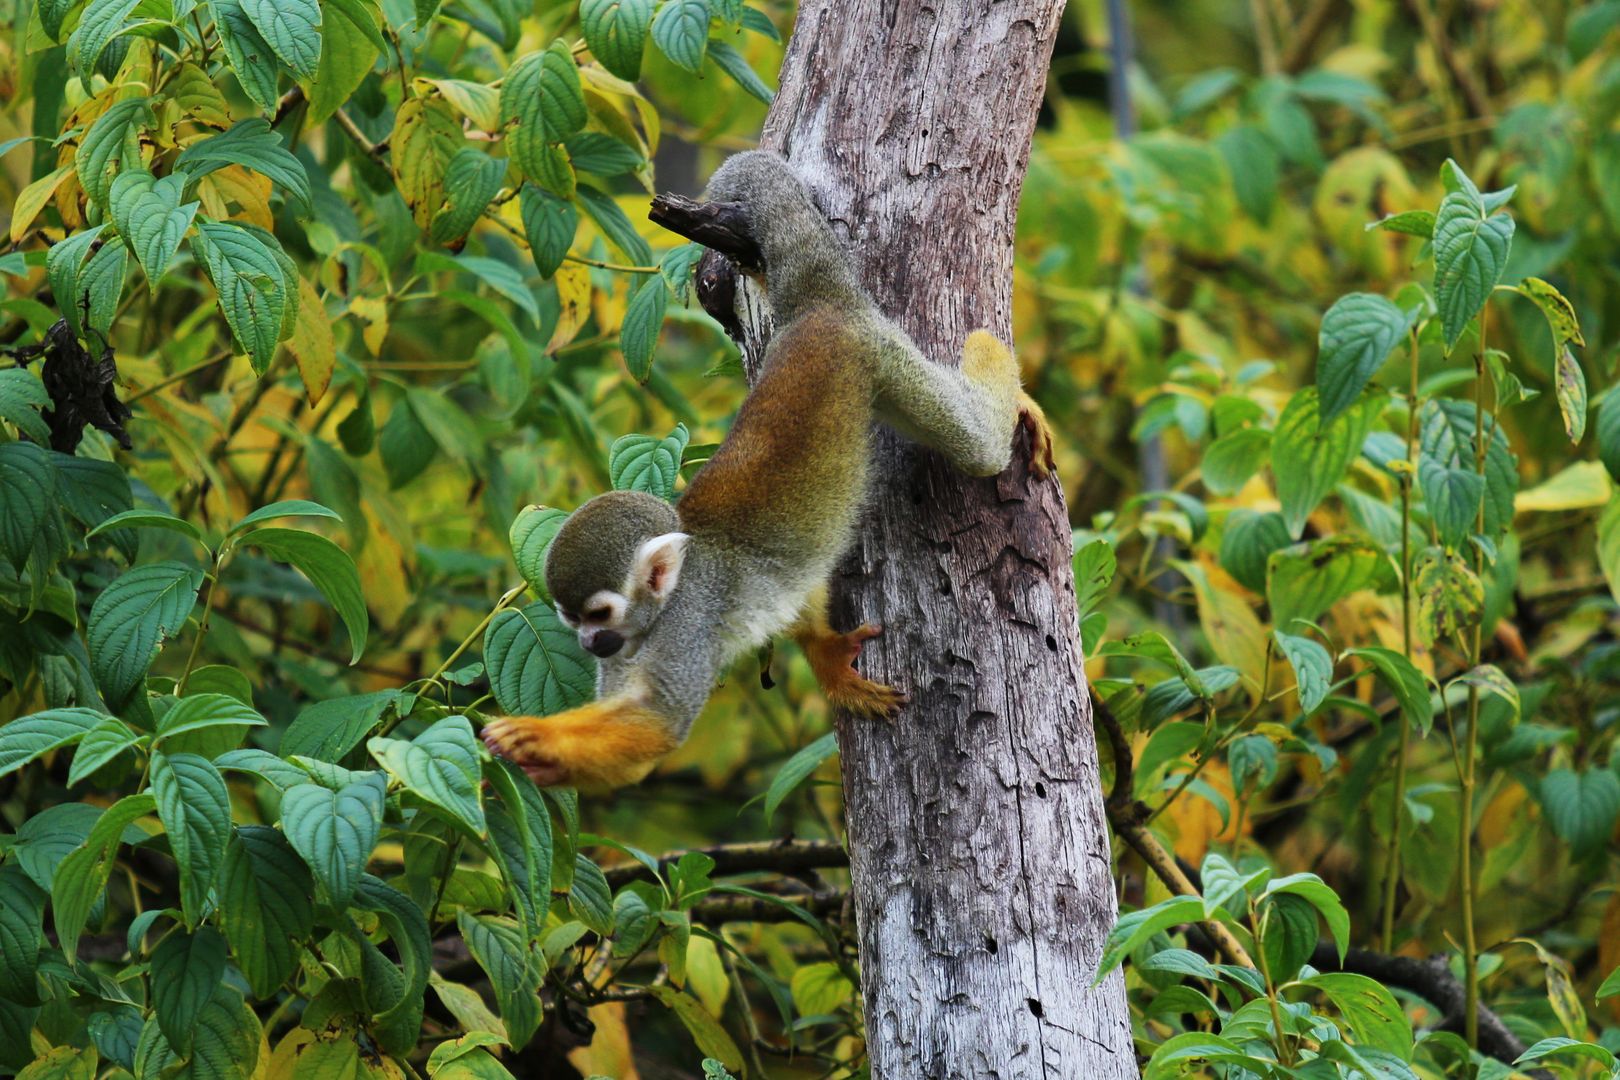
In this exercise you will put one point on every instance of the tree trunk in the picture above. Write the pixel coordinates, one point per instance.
(978, 843)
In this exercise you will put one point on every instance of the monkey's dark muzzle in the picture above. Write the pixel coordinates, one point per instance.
(604, 643)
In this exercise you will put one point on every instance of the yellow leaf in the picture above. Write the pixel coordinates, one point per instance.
(383, 571)
(311, 343)
(62, 1063)
(1584, 484)
(304, 1055)
(250, 191)
(574, 292)
(426, 135)
(373, 311)
(1229, 622)
(32, 199)
(465, 1004)
(609, 1052)
(706, 975)
(1609, 945)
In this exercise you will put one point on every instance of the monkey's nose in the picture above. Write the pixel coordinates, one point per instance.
(605, 643)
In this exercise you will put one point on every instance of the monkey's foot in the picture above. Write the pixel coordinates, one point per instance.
(515, 739)
(832, 658)
(1033, 419)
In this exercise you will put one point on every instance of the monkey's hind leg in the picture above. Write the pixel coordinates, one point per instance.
(603, 745)
(832, 659)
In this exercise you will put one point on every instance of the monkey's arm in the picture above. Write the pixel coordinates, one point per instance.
(645, 707)
(967, 413)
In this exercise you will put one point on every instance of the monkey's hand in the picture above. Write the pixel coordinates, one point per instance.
(832, 658)
(603, 745)
(1033, 419)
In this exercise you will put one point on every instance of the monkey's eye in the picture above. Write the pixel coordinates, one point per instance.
(599, 614)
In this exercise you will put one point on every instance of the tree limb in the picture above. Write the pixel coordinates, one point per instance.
(784, 856)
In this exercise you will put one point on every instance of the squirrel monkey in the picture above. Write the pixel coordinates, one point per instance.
(667, 596)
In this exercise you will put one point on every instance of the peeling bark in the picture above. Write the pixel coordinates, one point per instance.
(978, 842)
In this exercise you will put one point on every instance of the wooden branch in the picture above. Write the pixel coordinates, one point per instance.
(718, 225)
(783, 856)
(723, 909)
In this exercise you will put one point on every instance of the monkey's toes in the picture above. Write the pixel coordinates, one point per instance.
(873, 700)
(1041, 458)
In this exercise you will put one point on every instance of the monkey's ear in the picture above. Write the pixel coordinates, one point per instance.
(658, 563)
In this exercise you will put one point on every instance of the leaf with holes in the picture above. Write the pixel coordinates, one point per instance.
(132, 618)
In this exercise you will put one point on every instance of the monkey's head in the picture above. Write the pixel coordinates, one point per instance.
(612, 566)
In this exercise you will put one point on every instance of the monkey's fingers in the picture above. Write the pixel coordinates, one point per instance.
(863, 697)
(1041, 460)
(519, 740)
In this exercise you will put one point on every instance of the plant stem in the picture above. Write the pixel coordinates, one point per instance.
(202, 626)
(1392, 869)
(1465, 822)
(1285, 1053)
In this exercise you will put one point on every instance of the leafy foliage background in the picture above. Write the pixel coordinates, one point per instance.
(321, 314)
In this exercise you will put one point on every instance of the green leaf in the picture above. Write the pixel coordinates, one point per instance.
(712, 1040)
(101, 745)
(22, 914)
(1247, 542)
(334, 831)
(536, 666)
(1313, 668)
(616, 31)
(1222, 883)
(198, 712)
(292, 28)
(253, 145)
(549, 224)
(604, 155)
(285, 508)
(796, 770)
(1134, 928)
(149, 216)
(1559, 312)
(643, 463)
(1358, 333)
(643, 318)
(263, 766)
(27, 491)
(610, 218)
(186, 968)
(30, 737)
(1570, 383)
(1582, 806)
(1608, 433)
(440, 766)
(111, 144)
(22, 398)
(196, 813)
(328, 730)
(531, 534)
(98, 25)
(93, 491)
(589, 897)
(732, 62)
(142, 518)
(1372, 1014)
(1230, 460)
(1308, 457)
(350, 44)
(82, 875)
(99, 286)
(1292, 930)
(328, 567)
(1305, 580)
(521, 838)
(1450, 596)
(1410, 222)
(1405, 681)
(501, 951)
(252, 289)
(1470, 252)
(1454, 498)
(1490, 679)
(132, 618)
(265, 906)
(224, 1045)
(250, 55)
(1253, 163)
(63, 266)
(1312, 888)
(1447, 427)
(1608, 544)
(400, 1025)
(1563, 1046)
(471, 181)
(681, 32)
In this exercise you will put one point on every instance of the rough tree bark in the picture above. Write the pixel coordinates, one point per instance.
(978, 843)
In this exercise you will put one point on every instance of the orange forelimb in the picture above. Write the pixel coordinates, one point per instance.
(605, 744)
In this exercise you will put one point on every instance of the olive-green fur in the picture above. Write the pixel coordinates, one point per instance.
(594, 548)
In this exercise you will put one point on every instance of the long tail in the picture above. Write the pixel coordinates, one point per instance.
(804, 263)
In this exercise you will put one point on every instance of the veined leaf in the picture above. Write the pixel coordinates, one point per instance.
(98, 25)
(334, 831)
(150, 217)
(616, 31)
(266, 905)
(131, 619)
(1308, 457)
(549, 223)
(328, 567)
(681, 32)
(440, 766)
(29, 737)
(796, 770)
(186, 968)
(196, 813)
(112, 144)
(251, 286)
(22, 398)
(536, 666)
(251, 57)
(253, 145)
(532, 532)
(643, 463)
(643, 319)
(1358, 333)
(27, 490)
(1313, 668)
(1470, 252)
(292, 28)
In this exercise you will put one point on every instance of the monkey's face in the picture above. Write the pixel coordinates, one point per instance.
(614, 621)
